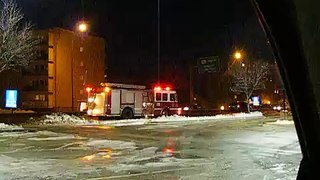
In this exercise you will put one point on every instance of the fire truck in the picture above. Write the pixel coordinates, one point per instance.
(129, 101)
(116, 100)
(162, 101)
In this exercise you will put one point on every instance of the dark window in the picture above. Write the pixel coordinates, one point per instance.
(41, 82)
(36, 68)
(164, 97)
(158, 96)
(172, 97)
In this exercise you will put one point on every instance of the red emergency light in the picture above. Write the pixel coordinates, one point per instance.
(158, 88)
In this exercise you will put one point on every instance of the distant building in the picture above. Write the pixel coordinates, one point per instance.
(66, 63)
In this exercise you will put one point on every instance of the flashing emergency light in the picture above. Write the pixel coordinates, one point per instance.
(158, 88)
(88, 89)
(167, 88)
(107, 89)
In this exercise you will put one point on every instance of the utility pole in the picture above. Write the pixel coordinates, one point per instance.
(72, 73)
(191, 91)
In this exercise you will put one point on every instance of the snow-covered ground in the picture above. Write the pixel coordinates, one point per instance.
(6, 127)
(64, 119)
(209, 150)
(283, 122)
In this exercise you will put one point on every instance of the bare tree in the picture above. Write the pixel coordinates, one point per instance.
(17, 45)
(249, 77)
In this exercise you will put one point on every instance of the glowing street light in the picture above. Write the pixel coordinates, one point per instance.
(237, 55)
(83, 27)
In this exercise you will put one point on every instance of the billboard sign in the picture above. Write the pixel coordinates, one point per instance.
(11, 100)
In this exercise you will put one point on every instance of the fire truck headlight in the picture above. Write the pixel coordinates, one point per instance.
(186, 108)
(221, 108)
(90, 100)
(96, 112)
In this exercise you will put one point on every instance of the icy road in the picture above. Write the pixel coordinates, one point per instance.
(238, 149)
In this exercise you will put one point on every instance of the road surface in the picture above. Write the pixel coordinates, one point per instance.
(234, 149)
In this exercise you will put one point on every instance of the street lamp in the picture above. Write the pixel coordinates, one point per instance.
(83, 27)
(237, 55)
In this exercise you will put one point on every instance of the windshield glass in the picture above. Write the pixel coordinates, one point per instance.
(144, 89)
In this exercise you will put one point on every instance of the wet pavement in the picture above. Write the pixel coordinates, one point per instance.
(239, 149)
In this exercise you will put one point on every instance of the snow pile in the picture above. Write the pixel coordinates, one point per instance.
(207, 118)
(6, 127)
(283, 122)
(176, 118)
(126, 122)
(64, 119)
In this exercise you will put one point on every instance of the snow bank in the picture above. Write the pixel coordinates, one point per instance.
(176, 118)
(6, 127)
(64, 119)
(204, 118)
(283, 122)
(125, 122)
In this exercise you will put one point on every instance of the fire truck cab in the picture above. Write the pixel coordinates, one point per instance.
(116, 100)
(162, 101)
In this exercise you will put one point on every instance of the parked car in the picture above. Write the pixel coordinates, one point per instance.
(238, 106)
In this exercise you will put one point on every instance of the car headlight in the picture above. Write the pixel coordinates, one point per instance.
(221, 108)
(186, 108)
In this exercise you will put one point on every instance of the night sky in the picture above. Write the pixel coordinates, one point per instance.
(189, 29)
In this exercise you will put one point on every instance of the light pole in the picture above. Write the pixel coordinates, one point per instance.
(81, 27)
(237, 56)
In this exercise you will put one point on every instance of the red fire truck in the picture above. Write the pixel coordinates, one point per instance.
(116, 100)
(162, 100)
(129, 101)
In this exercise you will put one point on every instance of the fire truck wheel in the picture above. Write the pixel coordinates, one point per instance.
(165, 112)
(127, 114)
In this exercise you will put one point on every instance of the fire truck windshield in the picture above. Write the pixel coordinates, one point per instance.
(165, 97)
(158, 96)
